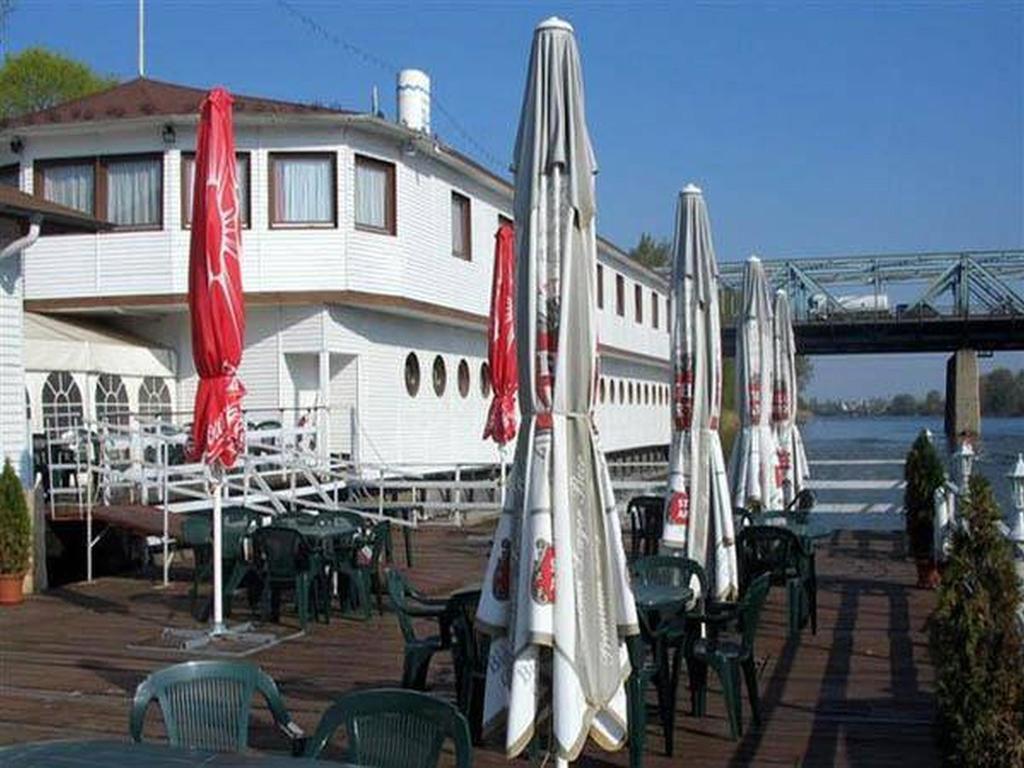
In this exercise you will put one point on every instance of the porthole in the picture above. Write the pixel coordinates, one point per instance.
(629, 391)
(440, 376)
(412, 374)
(600, 389)
(485, 380)
(622, 392)
(611, 392)
(647, 394)
(463, 378)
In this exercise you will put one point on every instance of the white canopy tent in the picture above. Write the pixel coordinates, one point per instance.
(60, 344)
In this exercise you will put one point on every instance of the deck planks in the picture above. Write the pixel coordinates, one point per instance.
(859, 693)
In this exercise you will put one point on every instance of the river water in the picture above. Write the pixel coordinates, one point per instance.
(837, 438)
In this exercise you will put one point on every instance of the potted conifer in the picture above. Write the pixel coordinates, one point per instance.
(15, 537)
(924, 474)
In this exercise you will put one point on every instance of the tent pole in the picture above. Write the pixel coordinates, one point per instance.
(163, 467)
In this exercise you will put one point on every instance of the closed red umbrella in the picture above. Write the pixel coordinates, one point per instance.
(501, 342)
(217, 307)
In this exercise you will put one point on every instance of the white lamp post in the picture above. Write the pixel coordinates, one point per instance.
(965, 463)
(1016, 534)
(1016, 478)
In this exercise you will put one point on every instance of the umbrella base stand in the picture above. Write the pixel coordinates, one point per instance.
(229, 641)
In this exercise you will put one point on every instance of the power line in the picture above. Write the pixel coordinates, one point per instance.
(389, 67)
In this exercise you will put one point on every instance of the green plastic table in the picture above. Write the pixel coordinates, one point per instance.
(323, 534)
(110, 754)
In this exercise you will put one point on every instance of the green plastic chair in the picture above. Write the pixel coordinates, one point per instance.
(646, 523)
(409, 603)
(390, 728)
(197, 534)
(670, 633)
(362, 573)
(470, 657)
(730, 655)
(779, 552)
(206, 705)
(284, 561)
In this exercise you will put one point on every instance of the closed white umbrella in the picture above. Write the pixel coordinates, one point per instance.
(698, 513)
(792, 469)
(754, 455)
(556, 595)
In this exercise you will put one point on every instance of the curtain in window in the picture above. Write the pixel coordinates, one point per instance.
(133, 192)
(241, 179)
(10, 176)
(242, 183)
(303, 190)
(459, 244)
(371, 195)
(70, 185)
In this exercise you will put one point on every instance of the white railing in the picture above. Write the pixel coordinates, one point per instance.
(142, 460)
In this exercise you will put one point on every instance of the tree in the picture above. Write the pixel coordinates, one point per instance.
(652, 253)
(15, 524)
(933, 404)
(923, 473)
(37, 79)
(804, 372)
(1002, 393)
(903, 405)
(976, 643)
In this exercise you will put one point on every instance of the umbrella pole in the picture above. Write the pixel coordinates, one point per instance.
(501, 454)
(218, 565)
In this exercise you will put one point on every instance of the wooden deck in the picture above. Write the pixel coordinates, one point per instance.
(858, 694)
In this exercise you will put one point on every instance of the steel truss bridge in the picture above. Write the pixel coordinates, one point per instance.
(957, 300)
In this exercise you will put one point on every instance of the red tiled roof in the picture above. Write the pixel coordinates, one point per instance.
(143, 97)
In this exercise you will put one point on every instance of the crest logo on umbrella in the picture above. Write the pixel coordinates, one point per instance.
(684, 395)
(679, 508)
(542, 587)
(782, 467)
(754, 393)
(780, 402)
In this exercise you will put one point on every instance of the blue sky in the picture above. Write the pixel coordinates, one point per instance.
(814, 128)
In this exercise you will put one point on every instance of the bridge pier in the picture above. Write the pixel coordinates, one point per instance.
(963, 396)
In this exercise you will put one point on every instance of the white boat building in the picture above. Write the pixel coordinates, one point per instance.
(367, 256)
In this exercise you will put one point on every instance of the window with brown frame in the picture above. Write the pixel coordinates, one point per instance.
(620, 295)
(600, 286)
(654, 309)
(462, 228)
(375, 196)
(126, 190)
(302, 189)
(243, 168)
(10, 175)
(638, 302)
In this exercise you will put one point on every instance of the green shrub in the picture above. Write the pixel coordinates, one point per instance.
(15, 524)
(976, 643)
(924, 474)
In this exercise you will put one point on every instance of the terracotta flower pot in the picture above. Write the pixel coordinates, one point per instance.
(927, 574)
(11, 588)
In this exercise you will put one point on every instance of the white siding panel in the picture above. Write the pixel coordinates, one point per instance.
(12, 370)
